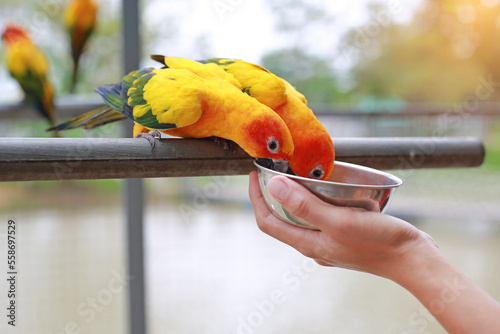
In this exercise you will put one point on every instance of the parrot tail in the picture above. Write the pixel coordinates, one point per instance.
(91, 119)
(111, 94)
(159, 58)
(74, 75)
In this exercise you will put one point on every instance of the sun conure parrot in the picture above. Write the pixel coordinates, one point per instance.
(314, 152)
(29, 66)
(80, 21)
(204, 101)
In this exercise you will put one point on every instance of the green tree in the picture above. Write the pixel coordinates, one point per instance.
(437, 57)
(309, 74)
(298, 60)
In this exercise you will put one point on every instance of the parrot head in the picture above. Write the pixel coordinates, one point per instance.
(13, 33)
(269, 137)
(314, 156)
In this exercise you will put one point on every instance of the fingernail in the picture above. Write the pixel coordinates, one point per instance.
(278, 189)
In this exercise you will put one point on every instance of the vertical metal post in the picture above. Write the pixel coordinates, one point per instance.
(134, 192)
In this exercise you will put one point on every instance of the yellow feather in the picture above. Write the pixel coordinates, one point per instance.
(257, 81)
(80, 14)
(140, 110)
(202, 104)
(23, 56)
(181, 104)
(204, 70)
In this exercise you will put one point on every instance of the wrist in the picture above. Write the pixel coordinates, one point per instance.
(454, 300)
(419, 263)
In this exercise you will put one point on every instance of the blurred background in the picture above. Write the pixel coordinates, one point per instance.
(367, 68)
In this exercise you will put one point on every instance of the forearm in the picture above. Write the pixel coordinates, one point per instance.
(382, 245)
(454, 300)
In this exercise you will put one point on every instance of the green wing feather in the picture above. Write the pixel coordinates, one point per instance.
(38, 92)
(166, 99)
(157, 99)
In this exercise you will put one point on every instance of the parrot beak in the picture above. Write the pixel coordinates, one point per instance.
(277, 165)
(280, 165)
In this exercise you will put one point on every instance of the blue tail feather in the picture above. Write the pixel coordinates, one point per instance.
(111, 95)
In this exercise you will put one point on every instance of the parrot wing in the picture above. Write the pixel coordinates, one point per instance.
(28, 65)
(157, 99)
(256, 81)
(292, 90)
(204, 70)
(38, 92)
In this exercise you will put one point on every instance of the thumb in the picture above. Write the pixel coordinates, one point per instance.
(298, 200)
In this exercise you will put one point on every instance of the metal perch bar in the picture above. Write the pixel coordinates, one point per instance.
(29, 159)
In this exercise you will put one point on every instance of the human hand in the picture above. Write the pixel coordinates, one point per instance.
(348, 237)
(379, 244)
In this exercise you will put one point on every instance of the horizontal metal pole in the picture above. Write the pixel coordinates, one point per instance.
(66, 107)
(28, 159)
(74, 105)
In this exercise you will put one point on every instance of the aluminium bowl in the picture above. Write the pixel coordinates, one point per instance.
(349, 185)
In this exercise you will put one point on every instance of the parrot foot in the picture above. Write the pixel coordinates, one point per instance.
(225, 143)
(151, 137)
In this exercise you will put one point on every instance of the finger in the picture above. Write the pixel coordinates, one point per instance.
(256, 197)
(301, 202)
(299, 238)
(323, 263)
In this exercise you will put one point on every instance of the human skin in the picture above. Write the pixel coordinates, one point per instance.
(382, 245)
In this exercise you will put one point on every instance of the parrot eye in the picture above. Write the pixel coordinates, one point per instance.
(317, 173)
(273, 145)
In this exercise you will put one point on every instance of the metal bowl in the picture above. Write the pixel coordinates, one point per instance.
(349, 185)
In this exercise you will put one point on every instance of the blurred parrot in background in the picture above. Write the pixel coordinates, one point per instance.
(80, 20)
(314, 152)
(193, 101)
(29, 66)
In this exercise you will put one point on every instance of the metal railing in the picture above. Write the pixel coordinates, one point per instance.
(29, 159)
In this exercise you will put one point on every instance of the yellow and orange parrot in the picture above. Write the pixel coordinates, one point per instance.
(29, 66)
(203, 101)
(314, 152)
(80, 21)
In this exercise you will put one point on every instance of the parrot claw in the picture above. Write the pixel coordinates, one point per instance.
(225, 143)
(151, 137)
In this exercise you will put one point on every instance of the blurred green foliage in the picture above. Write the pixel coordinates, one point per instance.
(438, 56)
(309, 74)
(492, 158)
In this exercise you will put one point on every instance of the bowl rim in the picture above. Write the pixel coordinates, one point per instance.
(398, 182)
